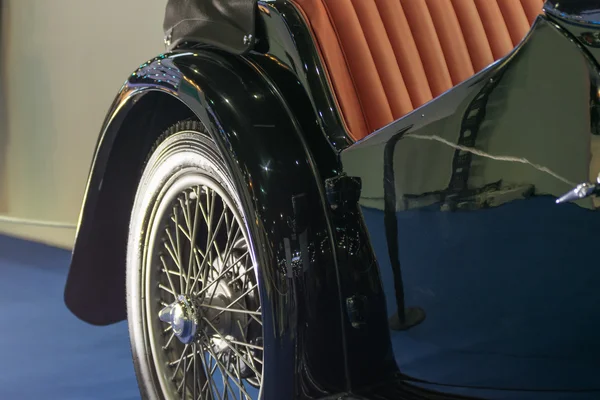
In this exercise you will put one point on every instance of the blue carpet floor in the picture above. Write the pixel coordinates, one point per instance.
(45, 351)
(535, 320)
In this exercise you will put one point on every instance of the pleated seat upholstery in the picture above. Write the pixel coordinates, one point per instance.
(385, 58)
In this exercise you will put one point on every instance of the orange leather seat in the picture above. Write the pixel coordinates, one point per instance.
(384, 58)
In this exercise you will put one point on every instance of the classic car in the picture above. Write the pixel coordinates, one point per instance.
(353, 199)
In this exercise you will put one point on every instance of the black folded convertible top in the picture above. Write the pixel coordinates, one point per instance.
(227, 24)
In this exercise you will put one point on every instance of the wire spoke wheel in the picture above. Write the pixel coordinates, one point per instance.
(201, 308)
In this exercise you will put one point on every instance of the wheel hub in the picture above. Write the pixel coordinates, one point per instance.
(188, 317)
(202, 304)
(182, 315)
(220, 320)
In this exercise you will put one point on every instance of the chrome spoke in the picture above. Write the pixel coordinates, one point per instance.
(185, 370)
(240, 385)
(181, 228)
(252, 314)
(251, 358)
(235, 301)
(171, 272)
(231, 239)
(168, 274)
(163, 287)
(184, 205)
(238, 374)
(217, 279)
(166, 346)
(207, 385)
(178, 362)
(242, 275)
(194, 372)
(230, 309)
(185, 209)
(175, 257)
(226, 380)
(189, 356)
(218, 365)
(212, 237)
(202, 209)
(178, 250)
(210, 380)
(189, 362)
(224, 259)
(228, 343)
(193, 241)
(248, 345)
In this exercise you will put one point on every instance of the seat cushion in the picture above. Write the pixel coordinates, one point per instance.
(384, 58)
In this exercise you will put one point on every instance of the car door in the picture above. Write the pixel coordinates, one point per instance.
(491, 286)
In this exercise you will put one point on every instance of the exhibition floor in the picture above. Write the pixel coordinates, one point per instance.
(45, 351)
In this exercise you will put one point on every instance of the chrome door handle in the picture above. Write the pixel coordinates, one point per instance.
(581, 191)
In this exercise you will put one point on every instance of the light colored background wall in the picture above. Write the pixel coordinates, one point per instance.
(62, 63)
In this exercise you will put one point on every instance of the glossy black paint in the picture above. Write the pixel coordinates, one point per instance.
(581, 19)
(211, 85)
(501, 271)
(588, 40)
(291, 58)
(293, 64)
(578, 11)
(263, 143)
(326, 294)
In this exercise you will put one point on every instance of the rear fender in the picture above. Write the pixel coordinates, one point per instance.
(262, 142)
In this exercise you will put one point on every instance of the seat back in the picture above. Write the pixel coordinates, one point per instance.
(384, 58)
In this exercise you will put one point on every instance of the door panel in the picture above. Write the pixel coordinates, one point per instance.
(465, 187)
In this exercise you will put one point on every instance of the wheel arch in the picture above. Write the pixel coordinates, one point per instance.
(98, 258)
(261, 139)
(250, 123)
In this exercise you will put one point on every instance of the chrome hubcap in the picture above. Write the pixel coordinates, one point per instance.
(182, 317)
(211, 314)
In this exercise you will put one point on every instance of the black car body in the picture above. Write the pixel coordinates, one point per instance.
(447, 214)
